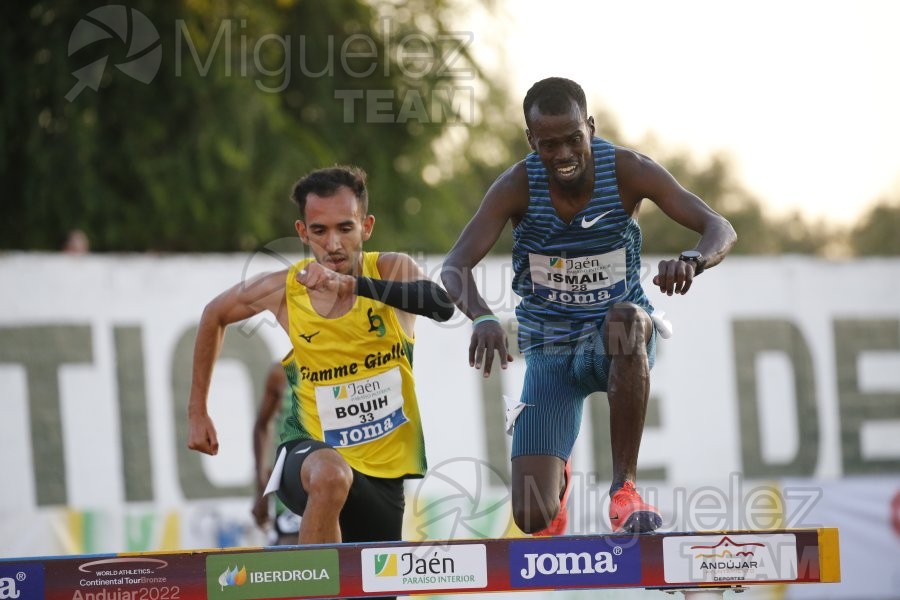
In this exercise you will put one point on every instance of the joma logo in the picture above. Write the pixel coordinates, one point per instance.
(568, 563)
(8, 588)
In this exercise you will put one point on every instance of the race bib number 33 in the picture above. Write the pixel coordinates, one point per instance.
(356, 412)
(583, 280)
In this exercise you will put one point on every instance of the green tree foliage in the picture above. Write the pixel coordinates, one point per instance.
(249, 96)
(878, 232)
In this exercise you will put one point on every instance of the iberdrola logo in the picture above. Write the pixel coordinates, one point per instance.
(339, 391)
(385, 565)
(556, 262)
(233, 577)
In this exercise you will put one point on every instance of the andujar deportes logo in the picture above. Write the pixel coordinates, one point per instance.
(730, 558)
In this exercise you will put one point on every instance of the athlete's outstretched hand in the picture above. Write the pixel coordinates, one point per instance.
(488, 337)
(202, 435)
(675, 276)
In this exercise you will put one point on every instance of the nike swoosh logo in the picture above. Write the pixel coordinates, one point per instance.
(614, 517)
(302, 451)
(588, 223)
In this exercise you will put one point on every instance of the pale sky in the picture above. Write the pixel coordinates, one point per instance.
(804, 95)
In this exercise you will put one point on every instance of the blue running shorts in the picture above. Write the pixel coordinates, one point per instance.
(557, 380)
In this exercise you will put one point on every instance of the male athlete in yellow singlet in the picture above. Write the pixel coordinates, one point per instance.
(354, 433)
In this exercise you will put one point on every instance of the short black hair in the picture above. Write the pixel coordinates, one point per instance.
(325, 182)
(554, 96)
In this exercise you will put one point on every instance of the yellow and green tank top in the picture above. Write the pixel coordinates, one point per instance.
(352, 382)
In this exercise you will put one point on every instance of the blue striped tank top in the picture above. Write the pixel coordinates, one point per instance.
(569, 274)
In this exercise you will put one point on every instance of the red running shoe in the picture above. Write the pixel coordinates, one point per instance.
(629, 514)
(559, 523)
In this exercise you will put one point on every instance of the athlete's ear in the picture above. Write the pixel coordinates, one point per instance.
(590, 122)
(300, 226)
(367, 225)
(530, 139)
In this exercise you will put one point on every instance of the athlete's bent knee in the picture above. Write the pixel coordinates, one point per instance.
(330, 482)
(628, 327)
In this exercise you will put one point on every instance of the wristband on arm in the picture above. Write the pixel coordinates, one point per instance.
(484, 319)
(422, 297)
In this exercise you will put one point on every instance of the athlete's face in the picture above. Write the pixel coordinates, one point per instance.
(335, 229)
(563, 143)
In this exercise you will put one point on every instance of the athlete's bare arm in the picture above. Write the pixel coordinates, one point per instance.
(242, 301)
(505, 201)
(640, 177)
(262, 437)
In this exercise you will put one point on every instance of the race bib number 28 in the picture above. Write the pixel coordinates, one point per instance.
(583, 280)
(357, 412)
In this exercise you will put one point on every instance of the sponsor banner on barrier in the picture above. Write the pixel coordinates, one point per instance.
(406, 569)
(123, 577)
(566, 562)
(273, 574)
(730, 558)
(21, 581)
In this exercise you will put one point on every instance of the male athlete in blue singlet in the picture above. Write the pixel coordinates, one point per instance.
(584, 320)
